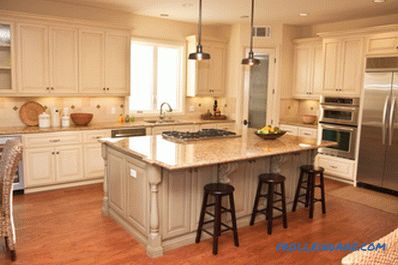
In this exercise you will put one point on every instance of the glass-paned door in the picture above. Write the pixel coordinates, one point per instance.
(258, 90)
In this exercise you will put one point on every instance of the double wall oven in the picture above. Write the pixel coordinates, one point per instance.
(339, 123)
(18, 184)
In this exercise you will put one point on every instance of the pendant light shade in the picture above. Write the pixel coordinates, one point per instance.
(199, 54)
(251, 60)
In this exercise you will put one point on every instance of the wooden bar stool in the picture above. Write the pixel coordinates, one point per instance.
(311, 172)
(218, 190)
(272, 180)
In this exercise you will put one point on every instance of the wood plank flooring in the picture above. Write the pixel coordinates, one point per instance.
(67, 227)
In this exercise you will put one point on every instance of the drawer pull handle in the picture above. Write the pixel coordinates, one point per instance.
(334, 167)
(54, 141)
(307, 134)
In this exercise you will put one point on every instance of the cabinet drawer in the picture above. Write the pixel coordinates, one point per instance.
(160, 129)
(52, 139)
(307, 132)
(291, 130)
(226, 126)
(93, 136)
(337, 166)
(383, 43)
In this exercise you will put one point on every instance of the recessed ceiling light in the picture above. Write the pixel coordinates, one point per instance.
(303, 14)
(244, 16)
(164, 15)
(379, 1)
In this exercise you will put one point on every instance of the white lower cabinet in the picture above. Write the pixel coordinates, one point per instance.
(39, 166)
(336, 166)
(299, 131)
(66, 157)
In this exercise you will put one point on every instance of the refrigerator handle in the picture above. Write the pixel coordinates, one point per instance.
(391, 125)
(383, 126)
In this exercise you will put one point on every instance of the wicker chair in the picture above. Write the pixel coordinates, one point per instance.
(11, 156)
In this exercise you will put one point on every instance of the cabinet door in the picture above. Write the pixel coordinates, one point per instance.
(331, 59)
(203, 69)
(33, 58)
(302, 71)
(240, 179)
(69, 161)
(317, 72)
(116, 183)
(39, 166)
(93, 162)
(63, 60)
(217, 66)
(117, 58)
(7, 61)
(91, 61)
(385, 43)
(352, 66)
(176, 193)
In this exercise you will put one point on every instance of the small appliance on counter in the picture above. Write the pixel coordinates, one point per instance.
(44, 120)
(55, 117)
(65, 120)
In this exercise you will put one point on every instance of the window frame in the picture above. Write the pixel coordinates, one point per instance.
(181, 94)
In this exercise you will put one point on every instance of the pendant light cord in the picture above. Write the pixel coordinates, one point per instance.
(251, 27)
(200, 23)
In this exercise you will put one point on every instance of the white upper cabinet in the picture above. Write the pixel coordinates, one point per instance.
(64, 60)
(117, 66)
(343, 61)
(206, 78)
(32, 59)
(104, 62)
(7, 62)
(307, 78)
(92, 61)
(383, 43)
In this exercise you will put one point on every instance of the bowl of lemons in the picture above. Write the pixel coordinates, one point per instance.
(269, 133)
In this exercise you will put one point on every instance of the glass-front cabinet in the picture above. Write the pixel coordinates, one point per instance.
(6, 58)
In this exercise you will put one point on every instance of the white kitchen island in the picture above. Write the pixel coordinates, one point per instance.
(153, 187)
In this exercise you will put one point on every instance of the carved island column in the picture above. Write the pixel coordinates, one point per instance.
(154, 245)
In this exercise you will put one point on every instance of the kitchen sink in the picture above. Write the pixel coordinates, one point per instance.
(161, 121)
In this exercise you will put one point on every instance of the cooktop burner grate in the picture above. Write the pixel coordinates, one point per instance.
(199, 135)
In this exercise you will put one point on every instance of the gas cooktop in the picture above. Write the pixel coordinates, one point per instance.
(199, 135)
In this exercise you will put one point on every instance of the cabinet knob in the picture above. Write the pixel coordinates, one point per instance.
(53, 153)
(107, 88)
(57, 153)
(47, 88)
(52, 88)
(104, 88)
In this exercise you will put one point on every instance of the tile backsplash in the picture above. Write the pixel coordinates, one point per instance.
(105, 109)
(293, 109)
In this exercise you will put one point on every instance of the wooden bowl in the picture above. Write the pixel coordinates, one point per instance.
(81, 119)
(309, 119)
(270, 136)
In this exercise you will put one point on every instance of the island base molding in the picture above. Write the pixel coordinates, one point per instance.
(160, 208)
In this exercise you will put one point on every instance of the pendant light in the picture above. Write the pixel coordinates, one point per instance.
(199, 54)
(251, 60)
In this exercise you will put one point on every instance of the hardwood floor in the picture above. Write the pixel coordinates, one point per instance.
(67, 227)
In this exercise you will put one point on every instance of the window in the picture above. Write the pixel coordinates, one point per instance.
(156, 77)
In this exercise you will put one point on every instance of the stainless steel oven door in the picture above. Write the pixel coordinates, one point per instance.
(344, 136)
(339, 115)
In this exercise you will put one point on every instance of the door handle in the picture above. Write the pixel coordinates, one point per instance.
(392, 112)
(383, 125)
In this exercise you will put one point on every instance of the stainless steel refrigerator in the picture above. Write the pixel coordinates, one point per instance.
(378, 152)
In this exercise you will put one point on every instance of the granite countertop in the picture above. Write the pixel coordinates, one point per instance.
(299, 123)
(107, 125)
(172, 155)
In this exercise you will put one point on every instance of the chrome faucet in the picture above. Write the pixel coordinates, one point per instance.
(162, 114)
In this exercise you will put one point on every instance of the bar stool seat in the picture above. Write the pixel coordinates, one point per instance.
(311, 172)
(218, 191)
(272, 180)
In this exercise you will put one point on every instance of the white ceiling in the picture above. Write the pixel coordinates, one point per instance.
(230, 11)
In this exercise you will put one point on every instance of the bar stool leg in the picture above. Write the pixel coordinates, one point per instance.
(311, 179)
(202, 217)
(256, 201)
(308, 191)
(217, 223)
(284, 215)
(233, 217)
(270, 207)
(323, 193)
(296, 196)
